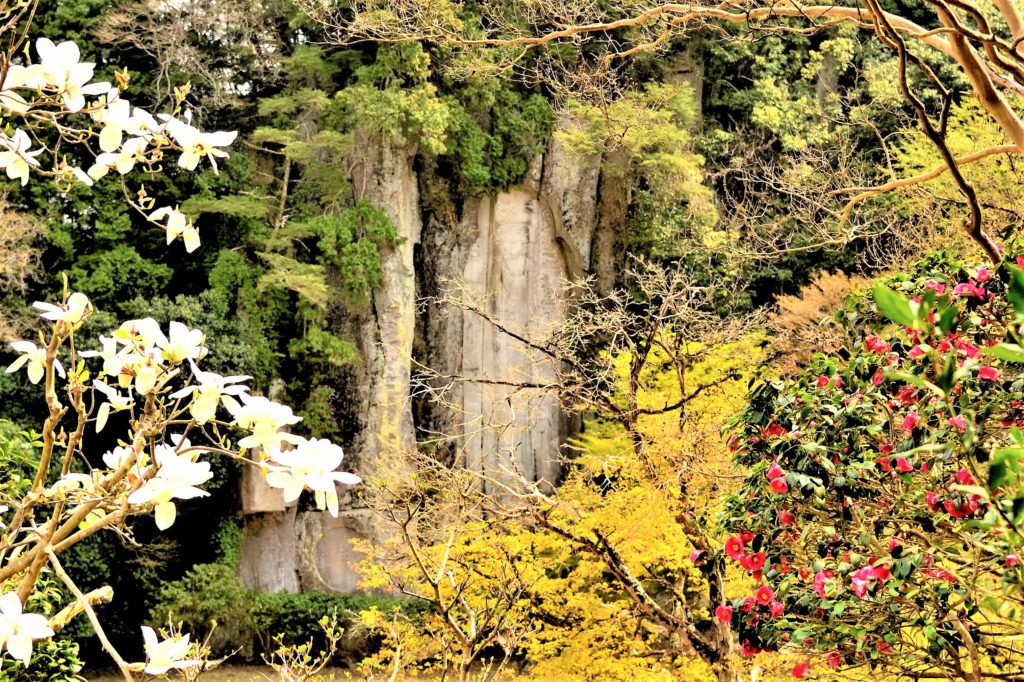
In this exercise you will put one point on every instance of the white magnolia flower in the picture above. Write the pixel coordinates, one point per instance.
(146, 369)
(71, 313)
(115, 402)
(178, 225)
(175, 479)
(312, 465)
(123, 161)
(144, 334)
(18, 630)
(17, 77)
(35, 358)
(196, 144)
(183, 344)
(60, 67)
(114, 118)
(165, 655)
(120, 456)
(17, 159)
(112, 363)
(264, 418)
(211, 389)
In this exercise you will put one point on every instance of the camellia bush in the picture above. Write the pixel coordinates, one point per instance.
(144, 378)
(882, 513)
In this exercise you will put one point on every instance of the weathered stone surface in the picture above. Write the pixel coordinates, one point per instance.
(257, 496)
(267, 553)
(392, 184)
(326, 558)
(530, 242)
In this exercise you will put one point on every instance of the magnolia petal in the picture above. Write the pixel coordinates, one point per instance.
(35, 372)
(165, 514)
(101, 416)
(19, 646)
(110, 138)
(35, 626)
(16, 365)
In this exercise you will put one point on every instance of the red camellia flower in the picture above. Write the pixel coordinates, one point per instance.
(695, 555)
(916, 352)
(823, 381)
(932, 499)
(1011, 560)
(746, 537)
(755, 562)
(885, 448)
(776, 609)
(780, 486)
(884, 463)
(988, 373)
(910, 421)
(748, 649)
(764, 595)
(774, 471)
(800, 670)
(773, 430)
(786, 517)
(964, 477)
(734, 548)
(903, 466)
(724, 613)
(834, 659)
(957, 422)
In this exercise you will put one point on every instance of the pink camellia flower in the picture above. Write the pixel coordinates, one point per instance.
(903, 466)
(755, 562)
(724, 613)
(878, 377)
(988, 373)
(834, 659)
(1020, 260)
(931, 498)
(776, 609)
(945, 346)
(764, 595)
(822, 381)
(786, 517)
(774, 471)
(746, 537)
(800, 670)
(983, 275)
(821, 578)
(748, 604)
(861, 581)
(1011, 560)
(937, 287)
(773, 430)
(695, 555)
(958, 422)
(734, 548)
(779, 486)
(910, 421)
(884, 463)
(916, 352)
(965, 289)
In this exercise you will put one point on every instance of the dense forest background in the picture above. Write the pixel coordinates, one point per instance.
(335, 236)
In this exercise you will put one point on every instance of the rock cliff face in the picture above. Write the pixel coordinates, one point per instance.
(514, 252)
